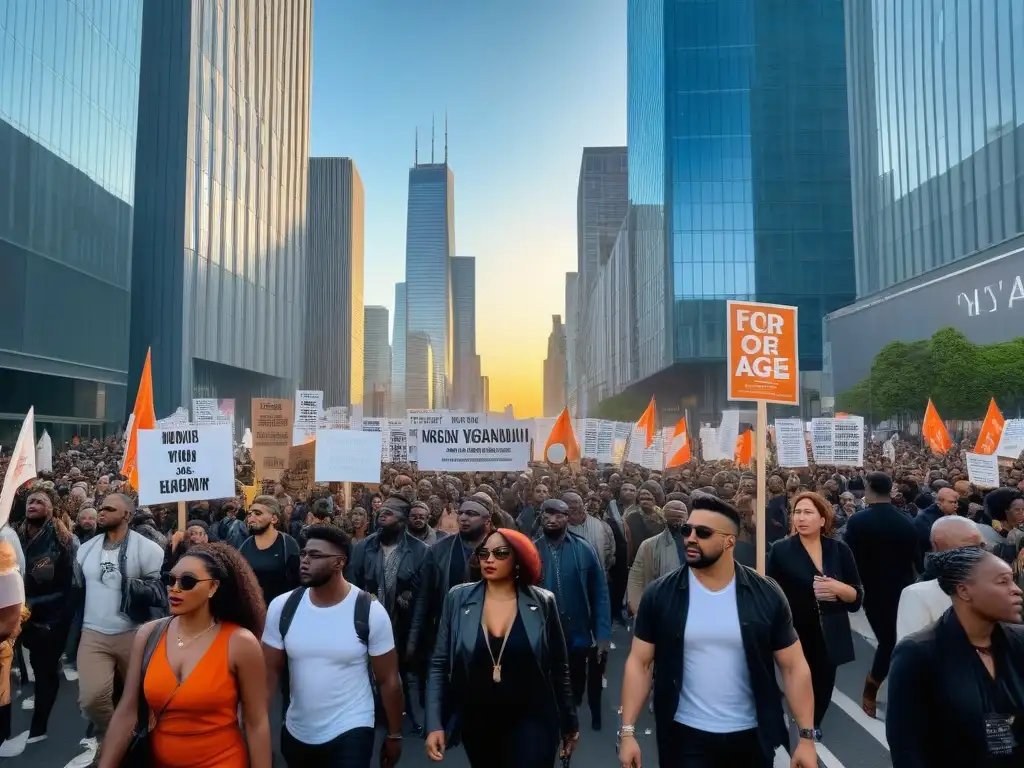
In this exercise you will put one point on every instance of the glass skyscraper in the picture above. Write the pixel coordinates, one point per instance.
(397, 403)
(69, 89)
(466, 379)
(429, 246)
(739, 174)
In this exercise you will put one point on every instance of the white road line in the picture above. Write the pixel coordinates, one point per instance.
(875, 727)
(826, 758)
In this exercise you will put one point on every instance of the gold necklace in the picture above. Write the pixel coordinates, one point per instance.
(189, 640)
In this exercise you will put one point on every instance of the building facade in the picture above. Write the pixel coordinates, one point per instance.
(466, 380)
(430, 243)
(219, 268)
(397, 404)
(601, 200)
(376, 361)
(938, 176)
(419, 371)
(572, 297)
(554, 369)
(69, 91)
(333, 340)
(739, 185)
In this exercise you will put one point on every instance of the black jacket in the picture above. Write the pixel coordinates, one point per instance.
(456, 640)
(766, 626)
(937, 706)
(51, 592)
(433, 586)
(885, 546)
(366, 571)
(923, 522)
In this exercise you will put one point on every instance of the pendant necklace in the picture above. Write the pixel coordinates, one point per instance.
(182, 642)
(496, 673)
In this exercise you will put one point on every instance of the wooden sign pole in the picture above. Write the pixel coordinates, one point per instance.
(182, 511)
(761, 436)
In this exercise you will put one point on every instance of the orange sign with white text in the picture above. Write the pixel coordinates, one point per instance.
(763, 352)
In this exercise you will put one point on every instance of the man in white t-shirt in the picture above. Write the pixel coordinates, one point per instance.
(922, 604)
(329, 635)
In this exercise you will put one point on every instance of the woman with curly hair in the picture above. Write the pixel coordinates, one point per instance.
(195, 667)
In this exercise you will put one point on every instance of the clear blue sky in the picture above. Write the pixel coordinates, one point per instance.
(527, 85)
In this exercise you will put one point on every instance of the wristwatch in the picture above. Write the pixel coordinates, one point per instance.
(811, 734)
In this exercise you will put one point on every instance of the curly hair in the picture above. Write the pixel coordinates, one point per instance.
(239, 598)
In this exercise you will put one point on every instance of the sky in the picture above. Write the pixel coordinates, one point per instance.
(527, 85)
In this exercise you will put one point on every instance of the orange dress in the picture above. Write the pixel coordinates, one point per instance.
(199, 728)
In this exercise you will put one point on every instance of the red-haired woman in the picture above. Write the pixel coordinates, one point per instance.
(500, 648)
(819, 577)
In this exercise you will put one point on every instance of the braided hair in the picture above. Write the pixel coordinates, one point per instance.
(955, 566)
(238, 599)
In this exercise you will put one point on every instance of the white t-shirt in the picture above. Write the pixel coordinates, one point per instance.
(716, 696)
(921, 605)
(327, 665)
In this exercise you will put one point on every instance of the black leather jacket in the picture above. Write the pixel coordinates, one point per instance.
(366, 571)
(51, 592)
(456, 640)
(433, 586)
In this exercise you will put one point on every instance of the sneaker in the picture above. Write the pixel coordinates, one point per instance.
(29, 702)
(85, 760)
(36, 739)
(70, 673)
(14, 746)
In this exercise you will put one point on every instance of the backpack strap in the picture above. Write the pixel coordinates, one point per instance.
(362, 617)
(291, 605)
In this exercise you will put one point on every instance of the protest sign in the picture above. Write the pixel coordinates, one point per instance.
(204, 410)
(983, 469)
(345, 455)
(417, 419)
(499, 446)
(848, 441)
(790, 445)
(763, 353)
(185, 463)
(1011, 441)
(309, 406)
(298, 480)
(396, 449)
(271, 436)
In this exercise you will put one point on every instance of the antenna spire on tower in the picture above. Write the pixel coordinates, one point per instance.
(416, 157)
(446, 135)
(432, 139)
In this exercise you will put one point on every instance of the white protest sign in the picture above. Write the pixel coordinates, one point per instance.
(303, 433)
(346, 455)
(418, 418)
(848, 441)
(709, 444)
(889, 449)
(790, 445)
(728, 432)
(542, 427)
(983, 470)
(605, 442)
(397, 447)
(821, 441)
(502, 445)
(309, 406)
(589, 443)
(180, 416)
(186, 463)
(44, 453)
(204, 410)
(1011, 441)
(336, 417)
(622, 431)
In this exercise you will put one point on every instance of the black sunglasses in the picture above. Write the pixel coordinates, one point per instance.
(186, 582)
(702, 531)
(500, 553)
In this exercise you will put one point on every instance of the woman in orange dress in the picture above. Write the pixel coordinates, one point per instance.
(206, 660)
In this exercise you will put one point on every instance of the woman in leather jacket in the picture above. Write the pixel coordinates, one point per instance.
(500, 648)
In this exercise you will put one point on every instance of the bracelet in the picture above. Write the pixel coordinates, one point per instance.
(395, 736)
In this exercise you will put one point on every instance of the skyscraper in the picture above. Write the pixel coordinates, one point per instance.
(219, 267)
(376, 361)
(601, 202)
(419, 371)
(571, 332)
(397, 404)
(739, 186)
(554, 369)
(69, 89)
(430, 243)
(333, 341)
(466, 382)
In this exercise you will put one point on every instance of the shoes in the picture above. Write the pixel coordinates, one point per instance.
(595, 723)
(88, 758)
(14, 746)
(35, 739)
(28, 703)
(70, 673)
(869, 699)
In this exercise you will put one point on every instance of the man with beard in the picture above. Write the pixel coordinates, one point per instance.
(659, 555)
(528, 521)
(387, 564)
(576, 576)
(419, 524)
(85, 524)
(323, 633)
(274, 556)
(449, 562)
(712, 632)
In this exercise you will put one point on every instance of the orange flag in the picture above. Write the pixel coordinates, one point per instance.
(561, 445)
(745, 448)
(679, 449)
(934, 431)
(991, 430)
(646, 423)
(143, 417)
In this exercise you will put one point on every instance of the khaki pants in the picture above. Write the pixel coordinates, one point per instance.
(100, 657)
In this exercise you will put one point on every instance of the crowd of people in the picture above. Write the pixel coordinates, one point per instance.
(477, 610)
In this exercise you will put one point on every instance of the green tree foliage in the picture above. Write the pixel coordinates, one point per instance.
(957, 374)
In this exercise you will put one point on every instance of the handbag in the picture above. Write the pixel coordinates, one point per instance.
(140, 752)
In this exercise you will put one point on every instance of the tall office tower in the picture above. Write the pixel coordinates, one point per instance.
(485, 393)
(68, 114)
(938, 176)
(333, 342)
(429, 245)
(397, 404)
(219, 267)
(601, 202)
(376, 361)
(739, 186)
(465, 384)
(554, 369)
(419, 371)
(571, 332)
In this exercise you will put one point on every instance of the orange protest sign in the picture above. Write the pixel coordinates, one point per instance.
(762, 352)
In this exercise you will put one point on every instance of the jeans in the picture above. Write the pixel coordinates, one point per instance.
(586, 670)
(685, 747)
(352, 749)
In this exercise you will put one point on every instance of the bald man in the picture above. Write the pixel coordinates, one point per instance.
(946, 504)
(922, 604)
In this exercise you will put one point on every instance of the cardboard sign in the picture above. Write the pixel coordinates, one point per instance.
(763, 352)
(298, 480)
(185, 463)
(345, 455)
(499, 446)
(271, 436)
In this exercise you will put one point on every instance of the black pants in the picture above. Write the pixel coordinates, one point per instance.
(685, 747)
(44, 652)
(586, 670)
(352, 749)
(823, 680)
(882, 619)
(530, 741)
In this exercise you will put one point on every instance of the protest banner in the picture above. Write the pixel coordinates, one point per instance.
(271, 436)
(298, 480)
(982, 469)
(500, 446)
(345, 455)
(185, 463)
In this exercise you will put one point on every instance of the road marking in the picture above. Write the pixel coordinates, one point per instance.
(826, 758)
(875, 727)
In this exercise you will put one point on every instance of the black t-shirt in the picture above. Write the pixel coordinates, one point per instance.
(276, 567)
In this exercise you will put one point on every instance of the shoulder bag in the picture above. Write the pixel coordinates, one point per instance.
(140, 752)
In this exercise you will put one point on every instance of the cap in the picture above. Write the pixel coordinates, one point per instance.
(555, 505)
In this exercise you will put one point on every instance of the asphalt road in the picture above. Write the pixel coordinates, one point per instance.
(851, 740)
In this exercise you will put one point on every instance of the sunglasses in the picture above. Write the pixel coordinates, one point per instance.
(186, 582)
(500, 553)
(702, 531)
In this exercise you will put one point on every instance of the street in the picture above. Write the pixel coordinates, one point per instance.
(851, 740)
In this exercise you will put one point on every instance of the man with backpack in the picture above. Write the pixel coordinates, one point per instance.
(337, 644)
